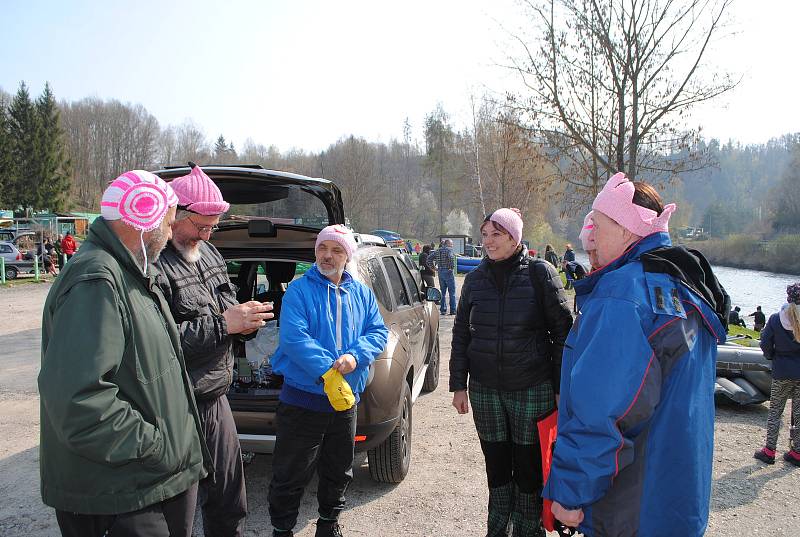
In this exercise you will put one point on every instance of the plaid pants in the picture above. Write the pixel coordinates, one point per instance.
(506, 425)
(782, 390)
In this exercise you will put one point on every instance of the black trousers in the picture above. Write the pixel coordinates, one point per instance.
(308, 440)
(170, 518)
(223, 500)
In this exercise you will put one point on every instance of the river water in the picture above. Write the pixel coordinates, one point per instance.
(747, 288)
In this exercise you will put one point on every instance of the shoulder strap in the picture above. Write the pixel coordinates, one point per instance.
(536, 283)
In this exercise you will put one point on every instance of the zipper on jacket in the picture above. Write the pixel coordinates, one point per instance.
(500, 322)
(338, 319)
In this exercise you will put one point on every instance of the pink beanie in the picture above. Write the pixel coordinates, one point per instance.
(198, 193)
(586, 236)
(340, 234)
(510, 220)
(138, 198)
(616, 202)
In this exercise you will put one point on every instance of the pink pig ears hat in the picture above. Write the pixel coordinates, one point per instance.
(139, 198)
(616, 202)
(198, 193)
(586, 236)
(340, 234)
(510, 220)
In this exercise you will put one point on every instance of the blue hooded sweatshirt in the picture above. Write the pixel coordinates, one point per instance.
(320, 321)
(636, 416)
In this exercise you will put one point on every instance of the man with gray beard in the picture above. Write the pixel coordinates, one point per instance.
(203, 301)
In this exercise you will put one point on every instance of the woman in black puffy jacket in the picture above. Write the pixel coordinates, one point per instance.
(508, 337)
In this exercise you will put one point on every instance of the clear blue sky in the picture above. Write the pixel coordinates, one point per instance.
(304, 73)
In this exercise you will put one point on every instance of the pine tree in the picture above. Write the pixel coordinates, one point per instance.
(21, 189)
(5, 153)
(220, 149)
(53, 165)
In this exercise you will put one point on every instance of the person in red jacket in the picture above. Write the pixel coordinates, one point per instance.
(68, 246)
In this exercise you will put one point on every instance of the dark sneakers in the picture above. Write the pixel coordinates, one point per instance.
(765, 455)
(279, 533)
(328, 528)
(792, 457)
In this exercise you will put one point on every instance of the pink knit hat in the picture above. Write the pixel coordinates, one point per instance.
(616, 202)
(340, 234)
(198, 193)
(510, 220)
(586, 236)
(138, 198)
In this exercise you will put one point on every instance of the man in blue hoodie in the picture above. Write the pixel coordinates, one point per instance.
(331, 326)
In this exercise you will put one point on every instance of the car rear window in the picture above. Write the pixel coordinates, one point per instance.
(411, 285)
(282, 204)
(5, 248)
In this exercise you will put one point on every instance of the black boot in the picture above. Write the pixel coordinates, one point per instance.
(278, 533)
(328, 528)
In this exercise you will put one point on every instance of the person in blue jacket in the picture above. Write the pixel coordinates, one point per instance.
(328, 321)
(635, 441)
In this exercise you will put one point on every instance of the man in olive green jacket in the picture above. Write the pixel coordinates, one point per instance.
(121, 444)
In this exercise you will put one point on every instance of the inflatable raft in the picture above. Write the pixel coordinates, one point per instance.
(744, 376)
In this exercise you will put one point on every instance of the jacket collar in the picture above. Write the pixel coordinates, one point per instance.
(101, 234)
(645, 244)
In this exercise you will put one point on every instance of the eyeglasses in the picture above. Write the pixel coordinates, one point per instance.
(202, 229)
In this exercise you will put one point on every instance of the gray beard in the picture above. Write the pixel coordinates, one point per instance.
(331, 272)
(191, 255)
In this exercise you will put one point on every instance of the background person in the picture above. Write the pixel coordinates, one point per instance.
(759, 319)
(69, 246)
(780, 342)
(443, 261)
(121, 451)
(195, 282)
(735, 318)
(514, 379)
(636, 414)
(551, 256)
(425, 270)
(329, 321)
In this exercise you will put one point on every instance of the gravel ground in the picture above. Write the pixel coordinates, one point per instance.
(444, 493)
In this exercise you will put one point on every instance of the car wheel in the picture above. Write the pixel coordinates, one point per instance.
(389, 462)
(432, 373)
(11, 273)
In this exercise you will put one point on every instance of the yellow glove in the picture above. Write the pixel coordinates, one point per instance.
(338, 390)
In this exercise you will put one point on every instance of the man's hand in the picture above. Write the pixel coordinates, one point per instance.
(345, 364)
(571, 518)
(461, 401)
(244, 318)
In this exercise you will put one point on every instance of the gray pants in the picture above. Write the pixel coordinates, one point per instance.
(783, 389)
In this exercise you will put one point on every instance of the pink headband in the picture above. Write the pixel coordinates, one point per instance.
(138, 198)
(198, 193)
(340, 234)
(616, 202)
(510, 220)
(586, 236)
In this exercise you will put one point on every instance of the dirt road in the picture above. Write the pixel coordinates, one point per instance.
(444, 494)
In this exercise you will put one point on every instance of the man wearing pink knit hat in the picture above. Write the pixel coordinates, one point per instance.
(120, 450)
(331, 331)
(636, 416)
(209, 318)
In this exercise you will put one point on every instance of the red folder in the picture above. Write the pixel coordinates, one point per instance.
(548, 429)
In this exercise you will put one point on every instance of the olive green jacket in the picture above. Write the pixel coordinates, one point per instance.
(119, 424)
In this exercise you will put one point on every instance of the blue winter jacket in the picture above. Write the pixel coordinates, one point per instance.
(636, 415)
(320, 321)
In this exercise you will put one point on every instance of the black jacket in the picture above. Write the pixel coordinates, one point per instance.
(198, 293)
(510, 338)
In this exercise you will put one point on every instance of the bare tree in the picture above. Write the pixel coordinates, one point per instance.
(610, 84)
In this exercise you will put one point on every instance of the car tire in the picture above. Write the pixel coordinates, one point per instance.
(432, 373)
(11, 273)
(389, 462)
